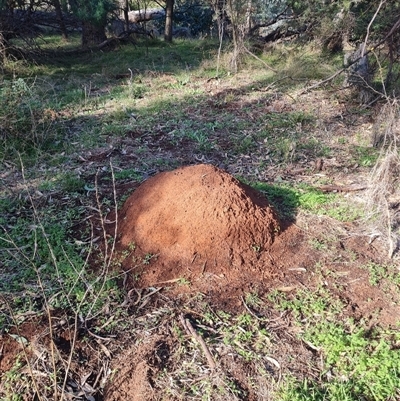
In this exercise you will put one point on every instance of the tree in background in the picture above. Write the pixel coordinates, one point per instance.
(363, 29)
(93, 15)
(169, 14)
(378, 26)
(60, 17)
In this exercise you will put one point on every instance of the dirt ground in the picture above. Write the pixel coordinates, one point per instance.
(227, 242)
(215, 223)
(197, 235)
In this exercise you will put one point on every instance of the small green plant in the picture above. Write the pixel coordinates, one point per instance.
(47, 185)
(318, 245)
(360, 363)
(148, 258)
(71, 183)
(13, 378)
(365, 156)
(245, 144)
(379, 273)
(253, 299)
(130, 174)
(183, 281)
(137, 91)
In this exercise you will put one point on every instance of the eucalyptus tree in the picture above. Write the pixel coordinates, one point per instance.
(93, 16)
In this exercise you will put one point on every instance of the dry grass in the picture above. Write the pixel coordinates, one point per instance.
(50, 356)
(383, 196)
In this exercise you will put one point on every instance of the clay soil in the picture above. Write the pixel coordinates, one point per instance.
(200, 226)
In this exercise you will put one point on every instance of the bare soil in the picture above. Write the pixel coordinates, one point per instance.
(201, 226)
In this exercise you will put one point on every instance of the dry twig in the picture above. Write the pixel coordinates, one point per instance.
(190, 330)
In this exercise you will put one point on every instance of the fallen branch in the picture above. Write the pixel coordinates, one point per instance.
(258, 58)
(249, 310)
(341, 188)
(190, 330)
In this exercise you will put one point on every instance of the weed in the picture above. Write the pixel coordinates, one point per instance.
(28, 120)
(253, 299)
(359, 363)
(130, 174)
(318, 245)
(379, 273)
(365, 156)
(183, 281)
(202, 140)
(244, 144)
(148, 258)
(71, 183)
(11, 380)
(47, 185)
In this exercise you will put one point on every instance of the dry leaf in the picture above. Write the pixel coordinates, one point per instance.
(273, 361)
(286, 289)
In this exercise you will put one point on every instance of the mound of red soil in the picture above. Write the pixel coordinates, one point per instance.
(196, 220)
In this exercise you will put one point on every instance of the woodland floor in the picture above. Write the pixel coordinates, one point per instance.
(146, 345)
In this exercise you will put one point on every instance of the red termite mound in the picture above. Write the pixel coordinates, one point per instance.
(196, 220)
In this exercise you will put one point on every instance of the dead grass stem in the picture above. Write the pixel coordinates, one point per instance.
(384, 178)
(51, 370)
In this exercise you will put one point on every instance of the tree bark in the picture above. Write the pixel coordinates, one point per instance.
(60, 18)
(92, 35)
(126, 15)
(3, 49)
(168, 20)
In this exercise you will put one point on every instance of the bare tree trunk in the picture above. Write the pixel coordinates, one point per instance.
(3, 49)
(248, 17)
(168, 20)
(60, 18)
(126, 15)
(234, 9)
(92, 35)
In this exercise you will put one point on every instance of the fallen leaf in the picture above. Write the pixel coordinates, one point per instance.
(21, 340)
(273, 361)
(286, 289)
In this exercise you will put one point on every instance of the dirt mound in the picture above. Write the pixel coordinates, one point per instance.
(195, 221)
(136, 370)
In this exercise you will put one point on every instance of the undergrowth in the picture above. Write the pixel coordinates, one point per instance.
(357, 362)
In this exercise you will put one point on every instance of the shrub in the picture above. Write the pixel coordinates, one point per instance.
(26, 121)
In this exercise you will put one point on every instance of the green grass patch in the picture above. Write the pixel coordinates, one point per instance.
(358, 363)
(365, 156)
(288, 199)
(284, 199)
(42, 261)
(128, 174)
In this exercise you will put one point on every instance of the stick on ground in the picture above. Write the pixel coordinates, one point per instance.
(190, 329)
